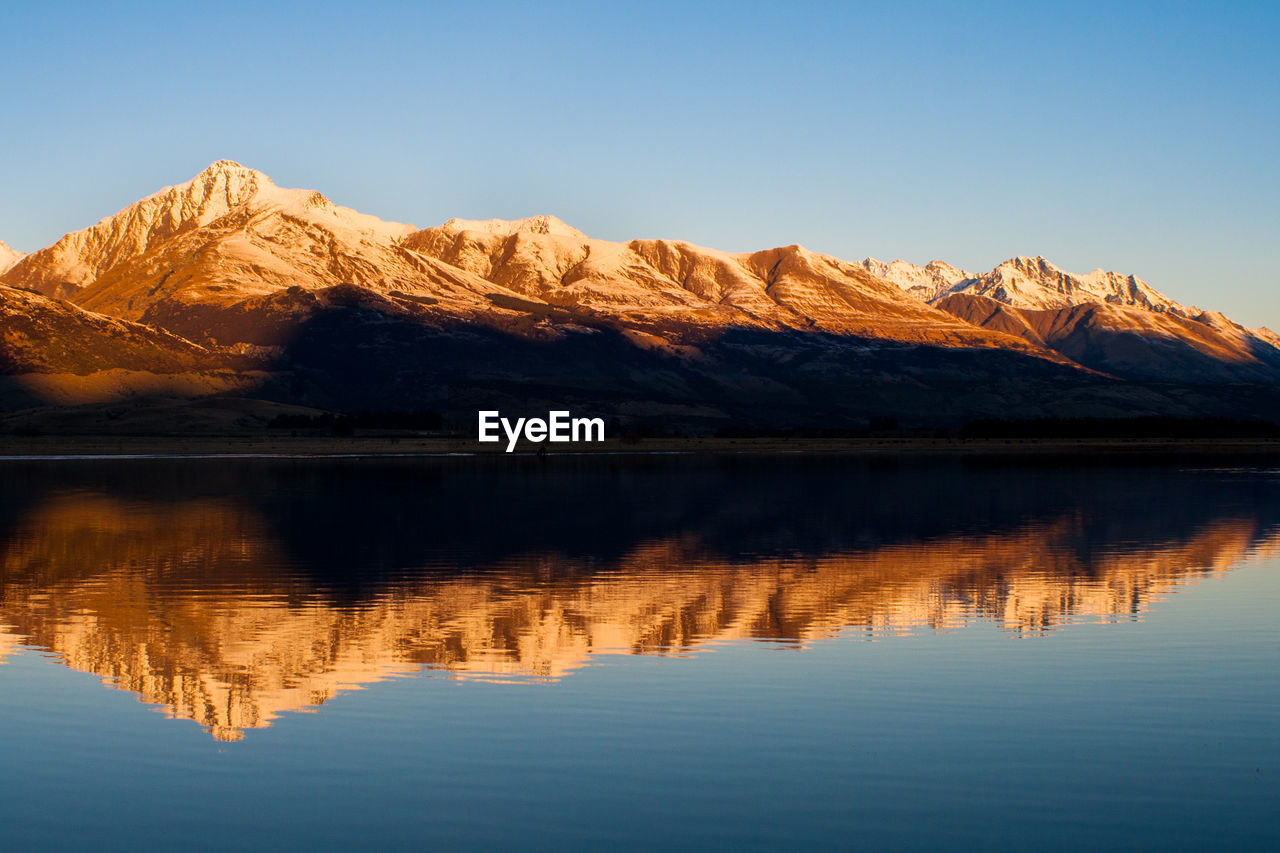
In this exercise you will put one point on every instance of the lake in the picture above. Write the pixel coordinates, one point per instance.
(639, 652)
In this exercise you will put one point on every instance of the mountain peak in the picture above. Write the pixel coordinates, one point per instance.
(1036, 283)
(224, 180)
(226, 166)
(223, 191)
(1027, 262)
(230, 170)
(541, 224)
(1025, 281)
(924, 282)
(9, 256)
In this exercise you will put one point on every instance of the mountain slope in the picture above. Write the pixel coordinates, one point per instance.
(42, 335)
(1130, 342)
(54, 353)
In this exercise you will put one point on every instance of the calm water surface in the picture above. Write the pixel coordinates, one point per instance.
(698, 653)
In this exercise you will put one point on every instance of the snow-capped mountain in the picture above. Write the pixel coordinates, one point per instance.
(8, 256)
(660, 284)
(210, 257)
(226, 197)
(1024, 282)
(323, 305)
(182, 257)
(926, 282)
(1107, 321)
(1035, 283)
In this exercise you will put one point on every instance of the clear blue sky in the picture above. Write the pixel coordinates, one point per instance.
(1143, 138)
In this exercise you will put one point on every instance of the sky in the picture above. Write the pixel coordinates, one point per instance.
(1141, 138)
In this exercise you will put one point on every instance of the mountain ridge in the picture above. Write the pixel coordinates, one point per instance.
(1026, 282)
(345, 309)
(229, 235)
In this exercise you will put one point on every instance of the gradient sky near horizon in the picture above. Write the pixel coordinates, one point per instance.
(1139, 137)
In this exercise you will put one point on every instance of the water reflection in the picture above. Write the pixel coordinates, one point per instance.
(228, 594)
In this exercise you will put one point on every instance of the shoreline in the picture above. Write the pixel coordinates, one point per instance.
(18, 448)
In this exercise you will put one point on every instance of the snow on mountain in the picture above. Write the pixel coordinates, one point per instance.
(1035, 283)
(178, 257)
(663, 284)
(8, 256)
(542, 224)
(224, 191)
(1113, 323)
(230, 258)
(926, 282)
(1024, 282)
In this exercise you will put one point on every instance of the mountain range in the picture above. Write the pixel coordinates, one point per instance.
(228, 286)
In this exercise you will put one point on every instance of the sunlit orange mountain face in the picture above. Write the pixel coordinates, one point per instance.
(270, 587)
(230, 287)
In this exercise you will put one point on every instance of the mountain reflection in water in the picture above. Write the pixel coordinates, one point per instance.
(227, 593)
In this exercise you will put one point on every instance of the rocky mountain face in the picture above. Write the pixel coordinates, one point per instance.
(329, 307)
(1131, 342)
(1026, 283)
(662, 284)
(1113, 323)
(926, 283)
